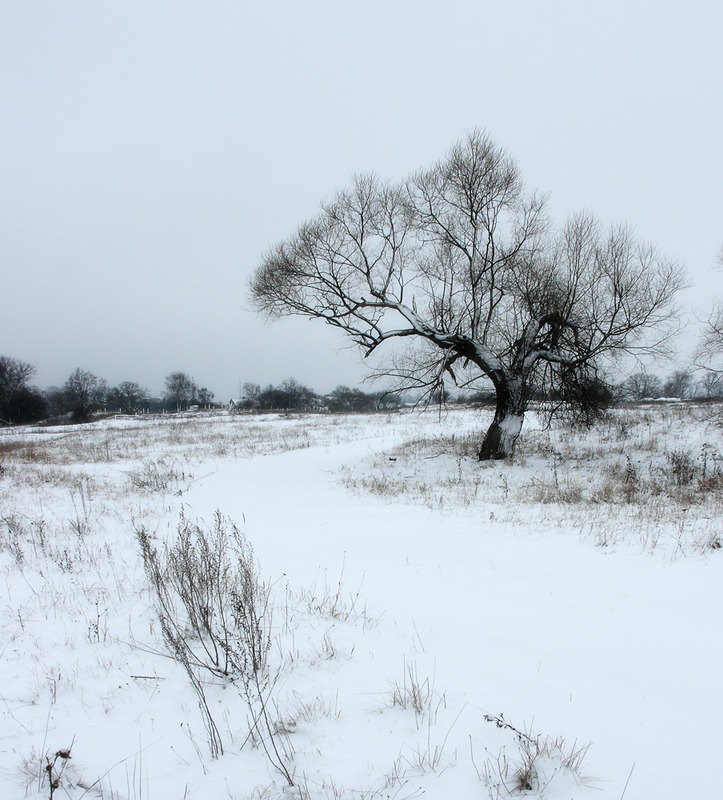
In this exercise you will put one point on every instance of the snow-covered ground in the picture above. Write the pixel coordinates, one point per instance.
(437, 627)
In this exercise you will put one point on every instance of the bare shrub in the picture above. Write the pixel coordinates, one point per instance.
(210, 596)
(14, 537)
(215, 616)
(682, 467)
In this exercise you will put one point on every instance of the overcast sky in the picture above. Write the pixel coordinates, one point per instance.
(151, 151)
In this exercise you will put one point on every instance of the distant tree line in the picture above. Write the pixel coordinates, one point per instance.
(681, 384)
(84, 395)
(290, 395)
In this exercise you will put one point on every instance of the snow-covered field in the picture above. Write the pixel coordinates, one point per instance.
(427, 625)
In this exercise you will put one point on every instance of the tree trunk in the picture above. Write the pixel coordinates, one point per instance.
(499, 441)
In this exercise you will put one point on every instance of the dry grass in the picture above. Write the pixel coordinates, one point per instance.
(645, 475)
(536, 764)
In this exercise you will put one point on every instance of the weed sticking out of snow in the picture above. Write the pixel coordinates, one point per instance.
(541, 765)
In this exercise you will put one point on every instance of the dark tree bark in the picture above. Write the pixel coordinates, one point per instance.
(510, 406)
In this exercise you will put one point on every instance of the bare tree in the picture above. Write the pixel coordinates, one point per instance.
(84, 393)
(18, 401)
(709, 354)
(642, 386)
(14, 375)
(129, 397)
(181, 390)
(250, 395)
(345, 398)
(290, 395)
(460, 260)
(710, 384)
(204, 396)
(679, 384)
(711, 347)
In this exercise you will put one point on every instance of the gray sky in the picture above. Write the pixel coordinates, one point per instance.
(151, 151)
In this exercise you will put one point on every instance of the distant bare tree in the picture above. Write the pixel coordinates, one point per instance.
(250, 395)
(204, 396)
(709, 354)
(84, 393)
(679, 384)
(18, 401)
(460, 260)
(296, 396)
(712, 342)
(14, 375)
(129, 397)
(181, 390)
(344, 398)
(290, 395)
(642, 386)
(56, 400)
(710, 385)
